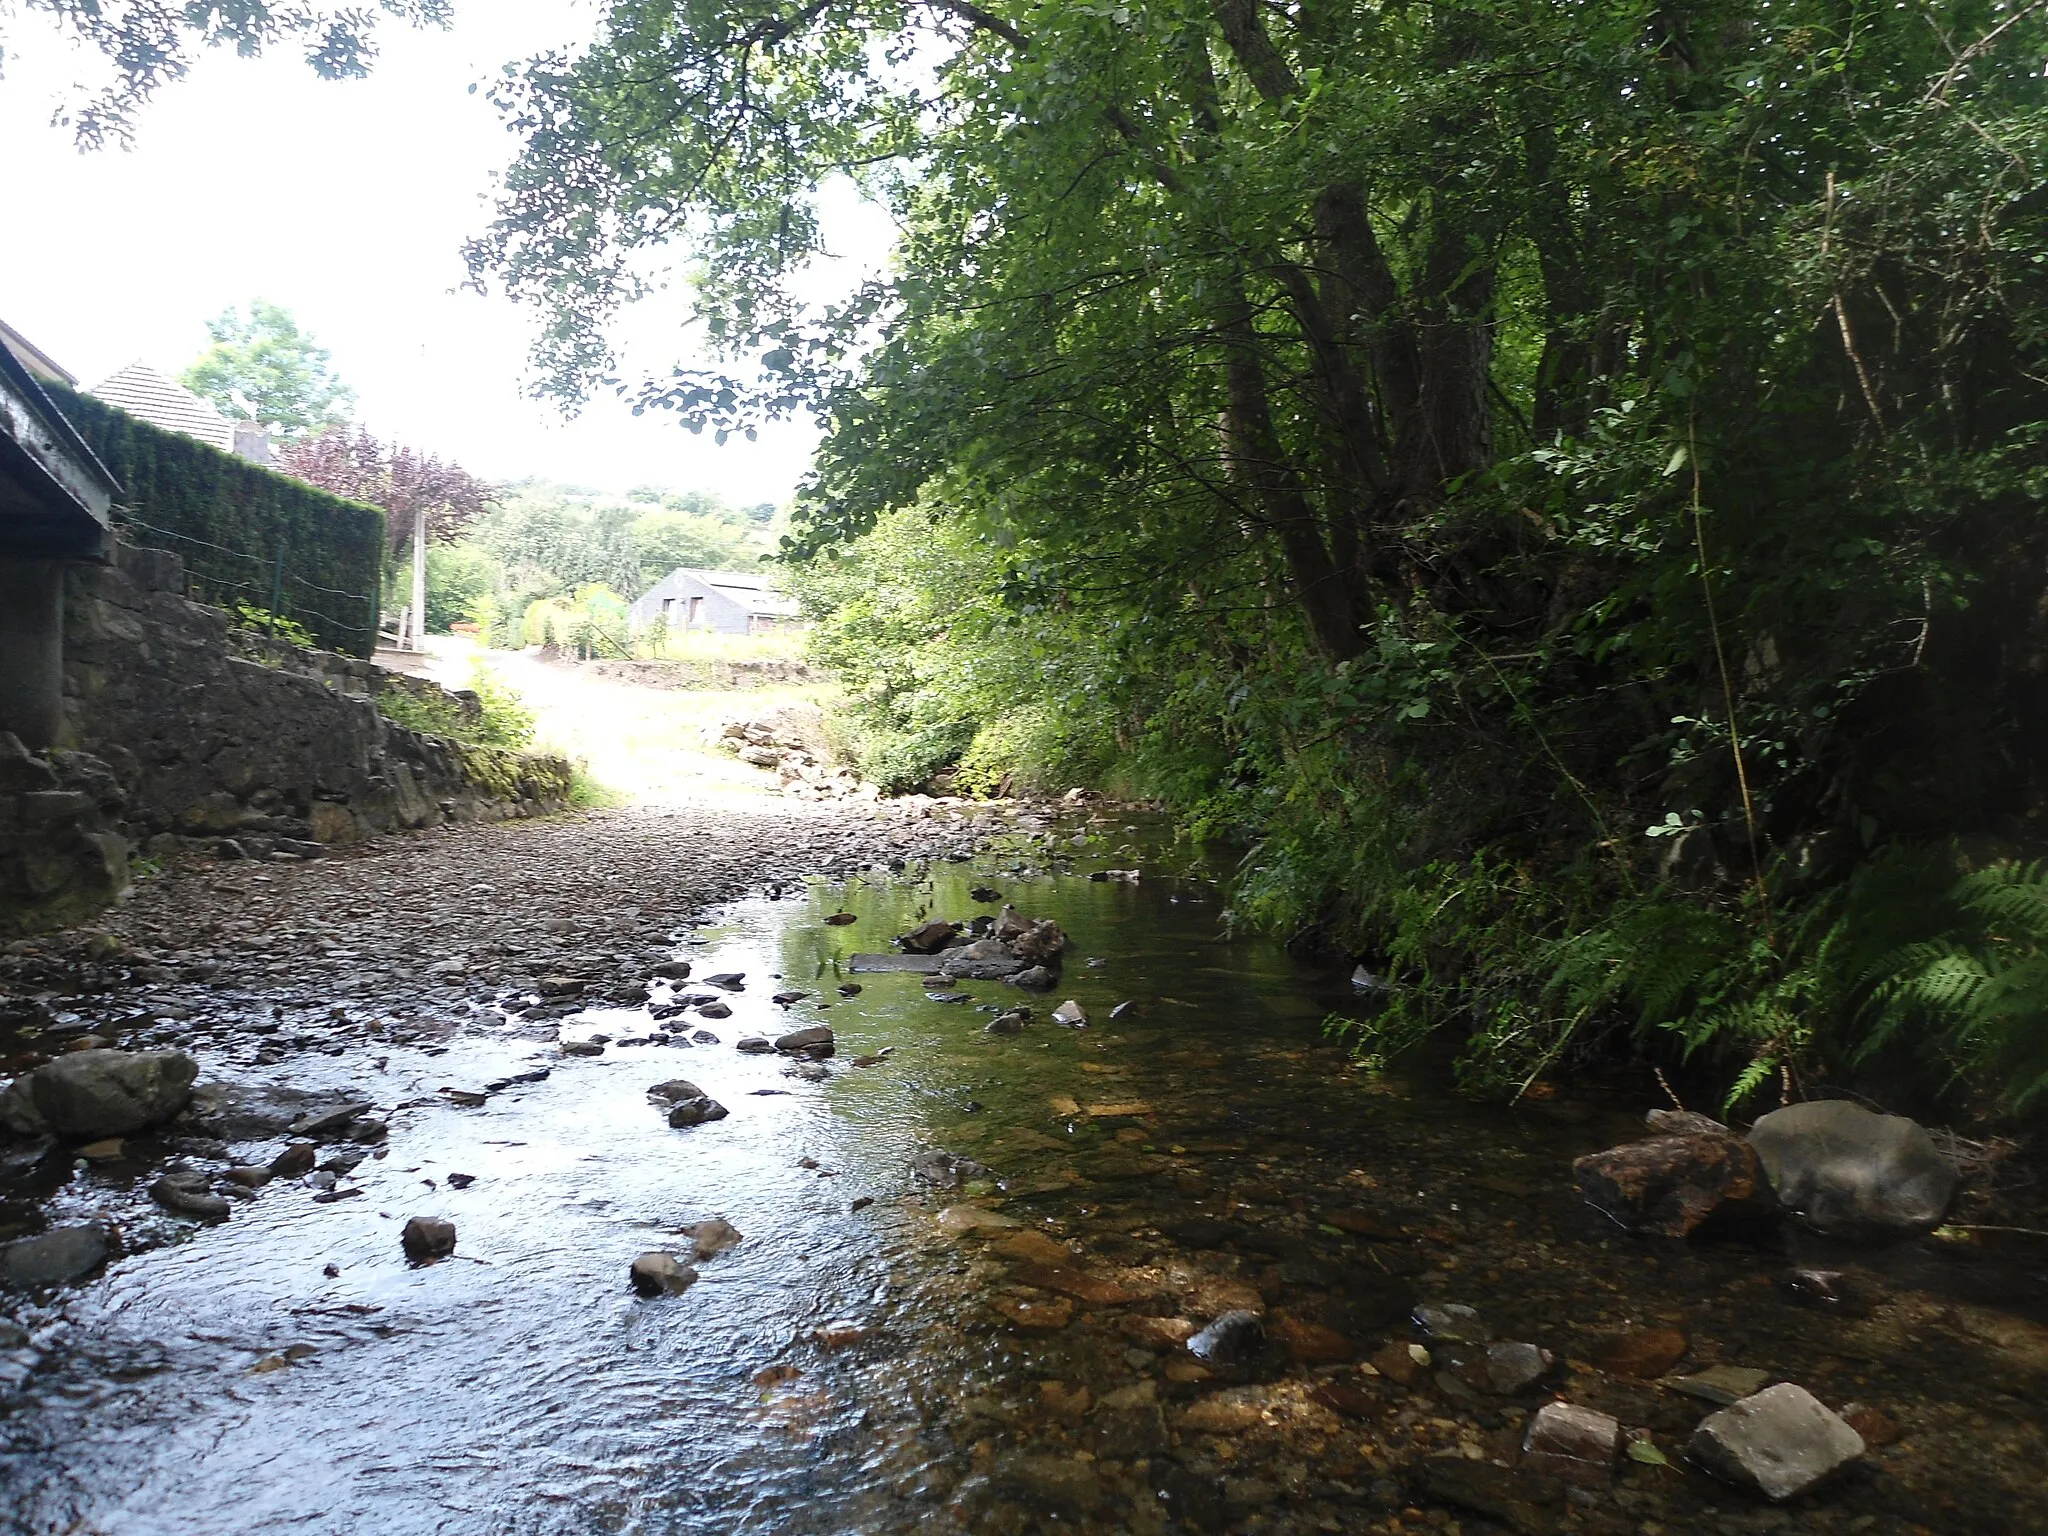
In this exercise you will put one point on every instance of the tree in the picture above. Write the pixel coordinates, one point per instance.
(423, 498)
(150, 43)
(266, 369)
(412, 487)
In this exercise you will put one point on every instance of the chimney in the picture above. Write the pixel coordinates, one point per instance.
(252, 442)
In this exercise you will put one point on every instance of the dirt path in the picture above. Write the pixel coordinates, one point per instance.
(645, 744)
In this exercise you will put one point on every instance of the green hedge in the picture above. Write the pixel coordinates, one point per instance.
(230, 520)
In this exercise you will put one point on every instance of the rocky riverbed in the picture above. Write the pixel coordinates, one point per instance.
(1132, 1248)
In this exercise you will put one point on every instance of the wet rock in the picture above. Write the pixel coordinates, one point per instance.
(1511, 1367)
(660, 1274)
(1196, 1502)
(943, 1170)
(1312, 1343)
(1011, 1023)
(756, 1045)
(674, 970)
(1780, 1442)
(1231, 1339)
(1071, 1014)
(959, 1220)
(928, 939)
(187, 1194)
(55, 1257)
(816, 1041)
(1052, 1485)
(1155, 1332)
(257, 1112)
(582, 1047)
(1525, 1502)
(703, 1037)
(1721, 1383)
(1451, 1323)
(1829, 1290)
(1683, 1122)
(1127, 1423)
(714, 1236)
(1034, 1310)
(714, 1011)
(850, 989)
(842, 919)
(1848, 1172)
(249, 1177)
(674, 1090)
(1642, 1352)
(985, 893)
(92, 1094)
(728, 981)
(696, 1111)
(1066, 1280)
(785, 999)
(426, 1239)
(1403, 1364)
(1040, 944)
(1875, 1427)
(1035, 978)
(1578, 1445)
(983, 960)
(295, 1160)
(1670, 1185)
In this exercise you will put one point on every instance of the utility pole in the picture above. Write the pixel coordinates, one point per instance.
(419, 576)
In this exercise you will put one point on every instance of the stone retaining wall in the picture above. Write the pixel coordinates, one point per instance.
(187, 732)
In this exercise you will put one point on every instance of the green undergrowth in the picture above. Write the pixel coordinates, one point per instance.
(500, 720)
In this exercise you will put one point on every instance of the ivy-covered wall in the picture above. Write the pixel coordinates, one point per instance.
(230, 521)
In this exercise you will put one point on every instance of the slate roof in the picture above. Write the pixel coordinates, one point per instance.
(141, 391)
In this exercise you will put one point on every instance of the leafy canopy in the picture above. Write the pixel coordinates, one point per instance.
(266, 369)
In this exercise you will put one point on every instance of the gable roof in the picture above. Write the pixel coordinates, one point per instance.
(754, 592)
(141, 391)
(40, 364)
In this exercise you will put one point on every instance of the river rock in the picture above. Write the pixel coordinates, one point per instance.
(1524, 1501)
(1849, 1172)
(1683, 1122)
(816, 1040)
(188, 1195)
(1780, 1442)
(427, 1238)
(1579, 1445)
(1230, 1340)
(1071, 1014)
(260, 1111)
(295, 1160)
(1642, 1352)
(1011, 1023)
(1451, 1323)
(1034, 979)
(1040, 944)
(674, 970)
(696, 1111)
(675, 1090)
(55, 1257)
(1670, 1185)
(756, 1045)
(660, 1274)
(983, 960)
(1829, 1290)
(942, 1170)
(89, 1095)
(927, 939)
(714, 1011)
(714, 1236)
(1721, 1383)
(1512, 1367)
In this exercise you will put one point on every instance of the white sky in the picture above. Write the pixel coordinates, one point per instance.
(347, 202)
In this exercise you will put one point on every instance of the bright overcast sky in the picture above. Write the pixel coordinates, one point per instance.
(348, 203)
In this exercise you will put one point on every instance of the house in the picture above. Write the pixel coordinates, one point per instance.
(719, 602)
(41, 367)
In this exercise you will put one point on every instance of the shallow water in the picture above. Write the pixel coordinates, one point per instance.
(854, 1370)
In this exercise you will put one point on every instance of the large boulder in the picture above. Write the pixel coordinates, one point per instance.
(1846, 1171)
(1669, 1185)
(91, 1095)
(55, 1257)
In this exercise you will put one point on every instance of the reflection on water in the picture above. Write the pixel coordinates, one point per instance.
(851, 1366)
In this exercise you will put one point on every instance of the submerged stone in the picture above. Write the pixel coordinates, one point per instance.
(55, 1257)
(1670, 1185)
(660, 1274)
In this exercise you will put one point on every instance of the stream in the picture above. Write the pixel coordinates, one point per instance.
(860, 1362)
